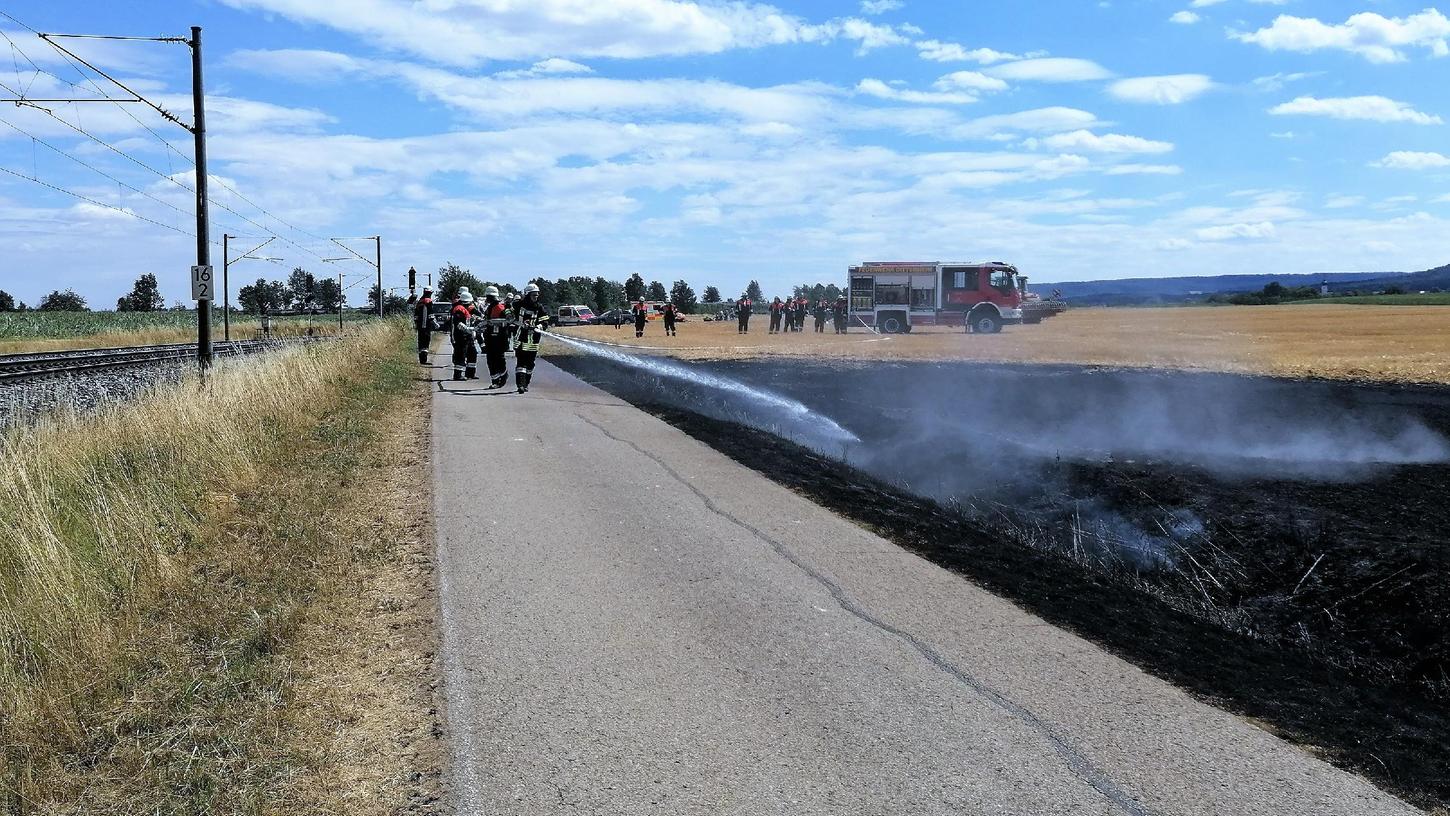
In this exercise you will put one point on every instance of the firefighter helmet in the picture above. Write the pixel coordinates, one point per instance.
(531, 289)
(491, 291)
(465, 297)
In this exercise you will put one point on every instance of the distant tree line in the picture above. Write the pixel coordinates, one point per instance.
(302, 291)
(1273, 293)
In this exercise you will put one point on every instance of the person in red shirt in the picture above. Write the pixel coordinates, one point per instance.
(494, 332)
(465, 354)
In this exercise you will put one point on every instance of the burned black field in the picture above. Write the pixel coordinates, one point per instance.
(1276, 547)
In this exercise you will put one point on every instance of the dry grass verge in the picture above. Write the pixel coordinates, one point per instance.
(214, 600)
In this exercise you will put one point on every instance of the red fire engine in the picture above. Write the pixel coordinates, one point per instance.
(893, 296)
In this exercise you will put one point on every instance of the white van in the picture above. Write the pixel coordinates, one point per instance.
(574, 316)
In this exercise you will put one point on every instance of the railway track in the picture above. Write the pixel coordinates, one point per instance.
(17, 368)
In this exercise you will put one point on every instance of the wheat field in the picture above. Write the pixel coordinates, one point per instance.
(1379, 343)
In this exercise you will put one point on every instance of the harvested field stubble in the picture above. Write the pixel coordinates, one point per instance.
(1404, 344)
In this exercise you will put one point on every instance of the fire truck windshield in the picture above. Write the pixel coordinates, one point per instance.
(1001, 280)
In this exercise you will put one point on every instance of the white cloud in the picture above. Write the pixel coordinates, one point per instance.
(1283, 134)
(1340, 202)
(882, 90)
(1276, 81)
(1412, 160)
(1372, 36)
(1263, 230)
(1050, 69)
(468, 32)
(1039, 120)
(1086, 140)
(874, 7)
(938, 51)
(1184, 18)
(1144, 170)
(1173, 89)
(969, 80)
(1372, 108)
(551, 66)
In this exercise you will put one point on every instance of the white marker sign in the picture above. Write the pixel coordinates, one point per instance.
(203, 287)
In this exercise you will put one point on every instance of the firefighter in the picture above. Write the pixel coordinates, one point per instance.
(670, 314)
(840, 313)
(641, 314)
(511, 329)
(820, 315)
(742, 308)
(776, 311)
(494, 331)
(800, 313)
(529, 319)
(423, 322)
(465, 354)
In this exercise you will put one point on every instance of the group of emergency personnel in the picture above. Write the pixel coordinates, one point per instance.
(495, 325)
(790, 315)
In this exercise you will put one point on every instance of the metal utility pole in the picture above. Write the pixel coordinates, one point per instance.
(339, 304)
(226, 278)
(379, 239)
(203, 223)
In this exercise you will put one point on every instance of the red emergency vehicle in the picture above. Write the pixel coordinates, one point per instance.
(894, 296)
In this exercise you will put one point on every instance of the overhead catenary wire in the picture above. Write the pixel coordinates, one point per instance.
(98, 203)
(72, 60)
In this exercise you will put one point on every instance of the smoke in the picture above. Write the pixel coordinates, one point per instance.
(1010, 443)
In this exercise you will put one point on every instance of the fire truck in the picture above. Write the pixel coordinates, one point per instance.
(894, 296)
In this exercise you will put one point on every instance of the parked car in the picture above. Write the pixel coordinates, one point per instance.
(576, 315)
(607, 319)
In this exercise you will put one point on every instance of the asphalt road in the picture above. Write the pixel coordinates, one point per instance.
(636, 624)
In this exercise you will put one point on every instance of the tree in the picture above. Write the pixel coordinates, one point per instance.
(683, 297)
(392, 304)
(634, 288)
(451, 278)
(7, 301)
(302, 287)
(329, 295)
(67, 301)
(607, 295)
(145, 296)
(256, 298)
(712, 294)
(753, 292)
(657, 291)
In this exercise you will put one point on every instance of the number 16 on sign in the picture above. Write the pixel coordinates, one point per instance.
(202, 284)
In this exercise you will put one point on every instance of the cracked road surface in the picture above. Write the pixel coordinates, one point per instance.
(636, 624)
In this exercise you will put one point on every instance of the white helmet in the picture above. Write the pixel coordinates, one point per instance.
(465, 296)
(533, 287)
(491, 291)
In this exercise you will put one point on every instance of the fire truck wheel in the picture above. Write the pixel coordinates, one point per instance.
(891, 324)
(986, 323)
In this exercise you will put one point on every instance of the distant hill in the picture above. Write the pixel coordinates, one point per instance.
(1429, 280)
(1147, 291)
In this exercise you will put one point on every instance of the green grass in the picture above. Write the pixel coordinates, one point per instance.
(36, 325)
(1428, 299)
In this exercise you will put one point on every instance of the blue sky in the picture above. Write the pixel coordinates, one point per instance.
(719, 142)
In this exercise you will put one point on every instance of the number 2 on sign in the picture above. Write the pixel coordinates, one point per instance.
(201, 283)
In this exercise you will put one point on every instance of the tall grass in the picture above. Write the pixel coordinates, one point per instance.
(97, 514)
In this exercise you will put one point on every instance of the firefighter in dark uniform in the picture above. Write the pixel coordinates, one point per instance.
(461, 333)
(840, 312)
(423, 322)
(512, 329)
(641, 315)
(821, 311)
(742, 308)
(775, 312)
(494, 333)
(529, 319)
(670, 314)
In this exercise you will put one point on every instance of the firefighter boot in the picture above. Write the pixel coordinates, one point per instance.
(422, 356)
(471, 373)
(522, 376)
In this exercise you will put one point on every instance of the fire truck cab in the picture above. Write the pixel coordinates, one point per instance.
(894, 296)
